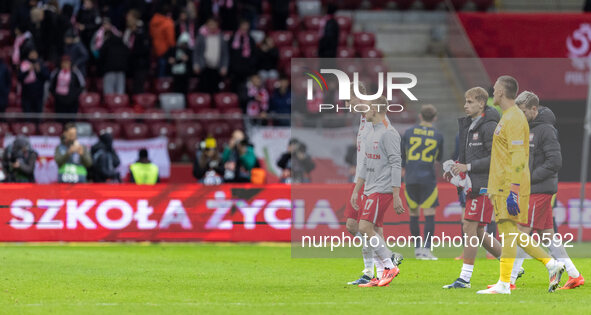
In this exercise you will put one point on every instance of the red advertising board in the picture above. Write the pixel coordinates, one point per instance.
(97, 212)
(535, 35)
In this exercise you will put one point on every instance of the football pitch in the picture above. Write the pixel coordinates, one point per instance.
(182, 278)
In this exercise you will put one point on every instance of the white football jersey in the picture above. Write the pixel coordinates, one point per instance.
(365, 129)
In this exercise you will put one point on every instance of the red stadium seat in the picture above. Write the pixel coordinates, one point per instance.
(145, 100)
(310, 52)
(5, 21)
(163, 85)
(50, 129)
(191, 146)
(123, 114)
(175, 149)
(89, 99)
(363, 40)
(343, 39)
(193, 84)
(282, 38)
(293, 22)
(21, 128)
(187, 130)
(155, 115)
(219, 130)
(234, 117)
(312, 22)
(97, 113)
(134, 131)
(4, 37)
(308, 38)
(288, 52)
(264, 22)
(370, 53)
(266, 7)
(198, 100)
(161, 129)
(116, 100)
(345, 23)
(4, 129)
(225, 99)
(110, 127)
(6, 54)
(345, 52)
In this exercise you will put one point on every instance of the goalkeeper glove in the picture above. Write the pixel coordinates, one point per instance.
(513, 200)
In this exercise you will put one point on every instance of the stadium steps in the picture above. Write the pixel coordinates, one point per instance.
(405, 35)
(541, 5)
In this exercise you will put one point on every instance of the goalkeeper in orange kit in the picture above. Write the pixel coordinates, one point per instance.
(509, 187)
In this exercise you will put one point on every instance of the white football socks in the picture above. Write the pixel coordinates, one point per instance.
(559, 253)
(379, 266)
(466, 273)
(368, 259)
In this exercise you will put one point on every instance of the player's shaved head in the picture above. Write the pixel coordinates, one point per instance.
(510, 86)
(478, 93)
(428, 112)
(527, 99)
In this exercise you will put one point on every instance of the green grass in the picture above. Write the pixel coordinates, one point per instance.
(222, 278)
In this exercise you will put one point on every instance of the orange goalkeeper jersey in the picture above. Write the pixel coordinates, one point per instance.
(509, 163)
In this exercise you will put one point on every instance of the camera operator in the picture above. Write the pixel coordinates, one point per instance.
(238, 159)
(296, 163)
(208, 167)
(18, 161)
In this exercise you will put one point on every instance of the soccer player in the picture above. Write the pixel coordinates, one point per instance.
(509, 187)
(351, 214)
(545, 160)
(381, 175)
(476, 137)
(422, 145)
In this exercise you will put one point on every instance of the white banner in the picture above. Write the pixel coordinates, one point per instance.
(127, 150)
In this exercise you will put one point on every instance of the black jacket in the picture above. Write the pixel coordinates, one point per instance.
(105, 160)
(77, 85)
(20, 150)
(545, 158)
(114, 55)
(475, 145)
(327, 46)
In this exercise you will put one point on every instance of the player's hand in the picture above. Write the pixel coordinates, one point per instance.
(459, 168)
(513, 200)
(397, 202)
(354, 201)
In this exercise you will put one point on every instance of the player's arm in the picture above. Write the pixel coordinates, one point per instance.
(360, 182)
(483, 165)
(552, 155)
(391, 146)
(518, 161)
(439, 156)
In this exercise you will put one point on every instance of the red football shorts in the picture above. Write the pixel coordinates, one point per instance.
(374, 206)
(351, 213)
(479, 209)
(539, 216)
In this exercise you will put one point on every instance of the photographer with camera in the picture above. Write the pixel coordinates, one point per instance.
(296, 163)
(208, 167)
(18, 161)
(105, 160)
(71, 157)
(238, 159)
